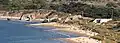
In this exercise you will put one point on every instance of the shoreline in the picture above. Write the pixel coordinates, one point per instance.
(68, 28)
(73, 23)
(14, 19)
(80, 40)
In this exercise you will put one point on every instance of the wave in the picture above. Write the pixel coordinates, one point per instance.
(64, 34)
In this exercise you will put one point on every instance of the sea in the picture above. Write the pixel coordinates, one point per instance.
(17, 32)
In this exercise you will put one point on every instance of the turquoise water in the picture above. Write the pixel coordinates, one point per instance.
(16, 32)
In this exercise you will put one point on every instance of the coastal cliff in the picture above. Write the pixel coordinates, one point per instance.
(98, 20)
(79, 25)
(101, 33)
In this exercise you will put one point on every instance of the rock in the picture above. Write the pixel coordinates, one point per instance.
(54, 20)
(67, 19)
(8, 19)
(28, 19)
(59, 19)
(45, 21)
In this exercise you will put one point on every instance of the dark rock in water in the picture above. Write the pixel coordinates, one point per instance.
(8, 19)
(19, 19)
(45, 21)
(28, 19)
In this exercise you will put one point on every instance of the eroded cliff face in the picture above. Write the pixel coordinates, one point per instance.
(36, 14)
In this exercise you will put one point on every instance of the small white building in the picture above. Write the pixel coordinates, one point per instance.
(101, 20)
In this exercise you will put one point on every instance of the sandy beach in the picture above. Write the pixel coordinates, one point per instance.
(81, 40)
(74, 29)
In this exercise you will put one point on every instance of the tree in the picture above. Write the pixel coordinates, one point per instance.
(111, 4)
(3, 4)
(25, 4)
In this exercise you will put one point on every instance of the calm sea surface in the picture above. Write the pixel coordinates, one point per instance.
(16, 32)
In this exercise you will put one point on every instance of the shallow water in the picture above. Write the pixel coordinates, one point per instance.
(16, 32)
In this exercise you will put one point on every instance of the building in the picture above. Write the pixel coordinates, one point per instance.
(101, 20)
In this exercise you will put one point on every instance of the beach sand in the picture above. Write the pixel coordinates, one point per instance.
(81, 40)
(73, 29)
